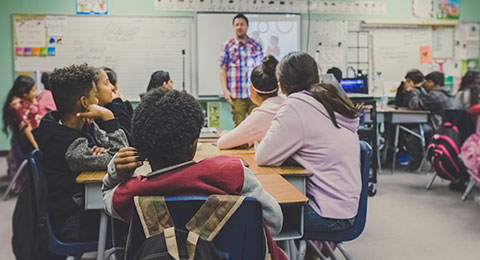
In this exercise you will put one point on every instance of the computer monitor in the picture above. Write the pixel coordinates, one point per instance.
(354, 85)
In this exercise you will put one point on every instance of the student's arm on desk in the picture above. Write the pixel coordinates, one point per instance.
(80, 157)
(283, 138)
(244, 133)
(272, 213)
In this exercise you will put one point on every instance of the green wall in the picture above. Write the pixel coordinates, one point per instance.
(397, 10)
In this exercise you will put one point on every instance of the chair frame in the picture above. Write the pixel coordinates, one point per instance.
(360, 220)
(55, 246)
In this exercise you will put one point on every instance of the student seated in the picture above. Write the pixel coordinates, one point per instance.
(45, 98)
(469, 92)
(432, 95)
(263, 89)
(159, 79)
(413, 79)
(166, 127)
(72, 143)
(20, 116)
(317, 127)
(109, 97)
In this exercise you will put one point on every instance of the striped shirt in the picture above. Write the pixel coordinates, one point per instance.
(240, 58)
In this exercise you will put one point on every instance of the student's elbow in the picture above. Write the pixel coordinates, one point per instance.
(266, 159)
(222, 143)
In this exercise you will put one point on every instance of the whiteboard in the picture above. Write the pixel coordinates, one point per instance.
(396, 51)
(133, 47)
(214, 29)
(327, 43)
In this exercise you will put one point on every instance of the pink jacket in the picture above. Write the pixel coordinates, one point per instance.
(303, 130)
(254, 127)
(45, 102)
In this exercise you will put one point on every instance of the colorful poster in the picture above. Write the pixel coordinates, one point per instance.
(213, 111)
(470, 64)
(92, 7)
(425, 54)
(448, 9)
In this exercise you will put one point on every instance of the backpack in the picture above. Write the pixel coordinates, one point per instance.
(165, 241)
(470, 153)
(443, 152)
(30, 239)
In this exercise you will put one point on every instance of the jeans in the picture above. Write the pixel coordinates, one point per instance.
(316, 223)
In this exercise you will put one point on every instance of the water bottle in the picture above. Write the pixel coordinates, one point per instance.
(379, 82)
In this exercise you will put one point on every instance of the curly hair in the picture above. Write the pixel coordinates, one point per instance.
(69, 84)
(164, 124)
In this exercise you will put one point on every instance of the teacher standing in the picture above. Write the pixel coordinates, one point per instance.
(238, 57)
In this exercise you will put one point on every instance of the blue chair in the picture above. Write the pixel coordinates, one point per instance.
(242, 237)
(75, 249)
(360, 220)
(15, 148)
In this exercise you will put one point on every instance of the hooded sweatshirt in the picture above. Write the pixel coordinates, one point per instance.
(302, 130)
(254, 127)
(66, 153)
(436, 100)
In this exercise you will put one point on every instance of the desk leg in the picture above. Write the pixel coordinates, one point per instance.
(424, 157)
(102, 235)
(395, 147)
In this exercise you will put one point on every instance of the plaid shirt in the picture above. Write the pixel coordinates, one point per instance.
(240, 58)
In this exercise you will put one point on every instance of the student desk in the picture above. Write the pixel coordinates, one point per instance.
(291, 200)
(296, 175)
(399, 116)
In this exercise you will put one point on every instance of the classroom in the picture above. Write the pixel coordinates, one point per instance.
(240, 129)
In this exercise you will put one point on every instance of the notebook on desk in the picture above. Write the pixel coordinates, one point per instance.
(209, 132)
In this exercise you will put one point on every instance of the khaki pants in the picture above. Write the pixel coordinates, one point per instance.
(240, 108)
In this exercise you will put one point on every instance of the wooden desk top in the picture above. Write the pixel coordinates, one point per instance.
(248, 156)
(275, 185)
(281, 189)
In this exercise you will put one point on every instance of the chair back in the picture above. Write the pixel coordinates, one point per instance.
(361, 218)
(242, 237)
(41, 197)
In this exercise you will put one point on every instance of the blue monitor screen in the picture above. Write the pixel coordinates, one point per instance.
(354, 85)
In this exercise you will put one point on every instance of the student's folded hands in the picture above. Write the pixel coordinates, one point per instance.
(126, 161)
(98, 150)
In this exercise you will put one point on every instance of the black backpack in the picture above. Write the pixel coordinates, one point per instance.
(443, 153)
(30, 239)
(165, 242)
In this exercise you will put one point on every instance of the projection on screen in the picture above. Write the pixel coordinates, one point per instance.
(278, 35)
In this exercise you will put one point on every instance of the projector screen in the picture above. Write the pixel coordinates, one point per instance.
(279, 34)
